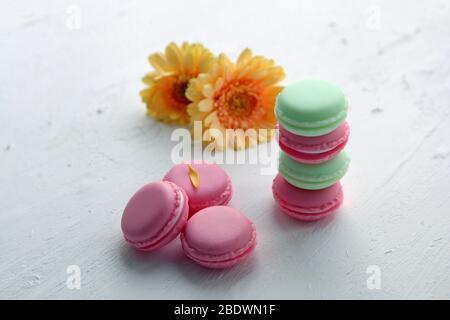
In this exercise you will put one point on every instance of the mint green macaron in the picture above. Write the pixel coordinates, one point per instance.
(311, 107)
(313, 176)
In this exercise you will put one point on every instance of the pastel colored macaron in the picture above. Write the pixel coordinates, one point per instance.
(218, 237)
(213, 184)
(307, 205)
(313, 176)
(155, 215)
(311, 108)
(313, 149)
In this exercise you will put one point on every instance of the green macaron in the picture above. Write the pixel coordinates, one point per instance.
(311, 107)
(313, 176)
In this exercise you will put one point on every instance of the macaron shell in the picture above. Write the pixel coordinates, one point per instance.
(313, 176)
(154, 216)
(313, 150)
(320, 105)
(214, 187)
(314, 145)
(306, 205)
(309, 217)
(218, 237)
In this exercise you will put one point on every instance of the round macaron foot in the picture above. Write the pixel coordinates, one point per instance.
(218, 237)
(213, 186)
(155, 215)
(309, 217)
(306, 205)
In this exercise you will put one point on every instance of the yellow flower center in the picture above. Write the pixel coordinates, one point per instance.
(235, 105)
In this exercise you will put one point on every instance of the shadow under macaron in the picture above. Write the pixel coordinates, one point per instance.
(150, 261)
(172, 256)
(218, 278)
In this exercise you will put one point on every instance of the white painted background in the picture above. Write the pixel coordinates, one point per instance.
(75, 145)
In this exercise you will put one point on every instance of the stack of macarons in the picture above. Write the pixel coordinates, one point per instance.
(190, 201)
(312, 134)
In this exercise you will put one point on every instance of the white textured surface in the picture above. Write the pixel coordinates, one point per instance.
(75, 145)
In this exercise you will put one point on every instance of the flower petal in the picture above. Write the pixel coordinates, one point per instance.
(210, 119)
(193, 176)
(188, 62)
(244, 57)
(205, 105)
(219, 84)
(274, 76)
(149, 78)
(208, 91)
(158, 62)
(173, 57)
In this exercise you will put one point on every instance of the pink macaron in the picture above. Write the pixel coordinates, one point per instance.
(155, 215)
(306, 205)
(218, 237)
(214, 185)
(313, 150)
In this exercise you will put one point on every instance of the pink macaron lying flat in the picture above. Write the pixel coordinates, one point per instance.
(214, 185)
(155, 215)
(313, 150)
(218, 237)
(306, 205)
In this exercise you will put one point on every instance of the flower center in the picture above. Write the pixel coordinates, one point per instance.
(179, 91)
(241, 104)
(235, 105)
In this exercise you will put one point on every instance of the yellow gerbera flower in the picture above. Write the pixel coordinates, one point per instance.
(165, 95)
(237, 96)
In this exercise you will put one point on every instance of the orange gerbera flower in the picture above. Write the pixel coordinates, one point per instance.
(238, 96)
(165, 95)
